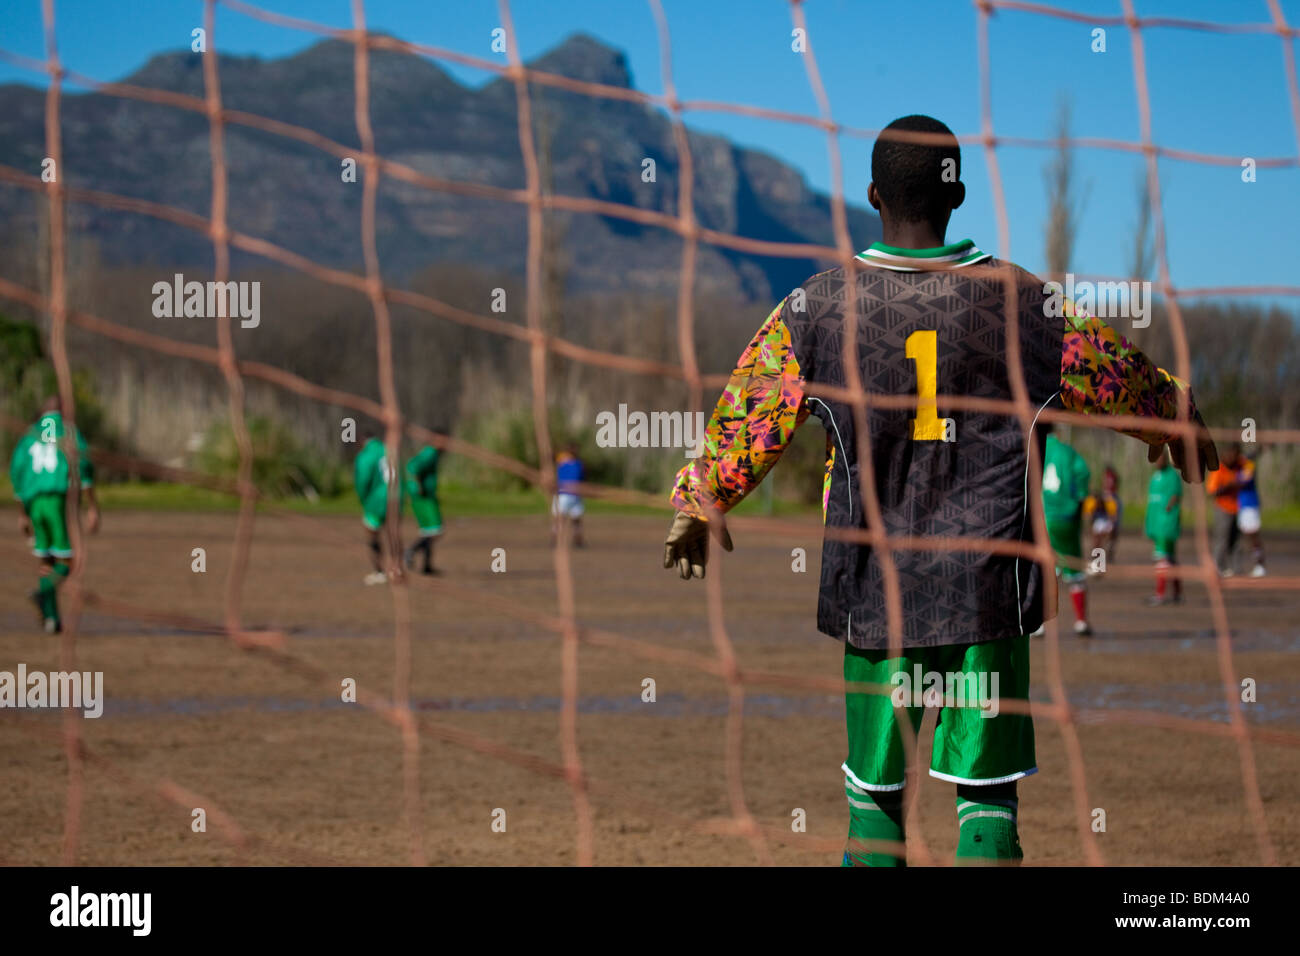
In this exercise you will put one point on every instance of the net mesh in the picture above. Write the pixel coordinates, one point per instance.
(396, 708)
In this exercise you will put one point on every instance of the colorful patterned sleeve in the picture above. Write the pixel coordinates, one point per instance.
(757, 414)
(1102, 373)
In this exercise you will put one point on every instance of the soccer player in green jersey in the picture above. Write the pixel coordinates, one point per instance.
(1065, 486)
(1163, 525)
(422, 486)
(40, 475)
(372, 472)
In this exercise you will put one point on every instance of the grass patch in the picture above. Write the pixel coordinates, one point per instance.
(457, 500)
(460, 499)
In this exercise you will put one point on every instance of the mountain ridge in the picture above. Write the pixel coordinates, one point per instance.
(294, 195)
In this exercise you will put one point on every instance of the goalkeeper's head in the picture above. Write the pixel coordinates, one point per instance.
(916, 172)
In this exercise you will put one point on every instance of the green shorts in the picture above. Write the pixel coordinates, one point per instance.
(428, 516)
(50, 524)
(1066, 537)
(975, 741)
(374, 510)
(1164, 549)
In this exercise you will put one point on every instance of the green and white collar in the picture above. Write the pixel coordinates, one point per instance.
(905, 260)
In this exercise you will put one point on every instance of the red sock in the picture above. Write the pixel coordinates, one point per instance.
(1079, 598)
(1162, 579)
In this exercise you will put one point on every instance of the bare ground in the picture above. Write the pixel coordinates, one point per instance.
(287, 772)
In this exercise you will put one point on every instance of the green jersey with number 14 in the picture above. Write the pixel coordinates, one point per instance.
(39, 465)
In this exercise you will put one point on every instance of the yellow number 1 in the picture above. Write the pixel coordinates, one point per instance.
(922, 347)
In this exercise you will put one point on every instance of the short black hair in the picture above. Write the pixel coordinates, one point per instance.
(910, 176)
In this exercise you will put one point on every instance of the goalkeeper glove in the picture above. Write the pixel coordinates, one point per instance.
(1207, 456)
(687, 546)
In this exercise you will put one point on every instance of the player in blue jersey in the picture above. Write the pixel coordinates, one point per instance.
(567, 509)
(1248, 516)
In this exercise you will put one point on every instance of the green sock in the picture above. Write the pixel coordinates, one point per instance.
(46, 598)
(986, 820)
(49, 595)
(873, 815)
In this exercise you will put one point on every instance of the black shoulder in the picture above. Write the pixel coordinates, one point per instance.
(823, 289)
(1030, 289)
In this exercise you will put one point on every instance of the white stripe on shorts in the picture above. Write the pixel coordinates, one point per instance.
(988, 813)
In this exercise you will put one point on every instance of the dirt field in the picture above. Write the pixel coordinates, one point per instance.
(305, 776)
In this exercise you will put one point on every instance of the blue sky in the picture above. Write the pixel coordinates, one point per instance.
(1210, 93)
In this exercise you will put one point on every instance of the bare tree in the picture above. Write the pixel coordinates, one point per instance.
(554, 262)
(1143, 249)
(1062, 200)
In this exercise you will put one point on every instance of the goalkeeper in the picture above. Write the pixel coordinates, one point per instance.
(931, 318)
